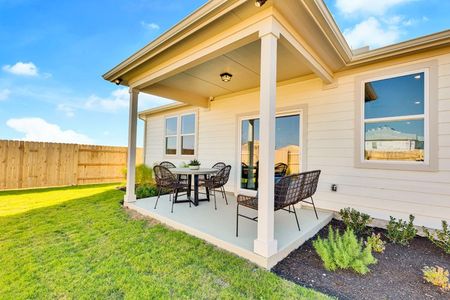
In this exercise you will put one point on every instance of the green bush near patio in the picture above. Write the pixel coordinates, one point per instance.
(344, 252)
(79, 243)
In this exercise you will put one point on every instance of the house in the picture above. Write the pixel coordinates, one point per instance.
(256, 79)
(384, 143)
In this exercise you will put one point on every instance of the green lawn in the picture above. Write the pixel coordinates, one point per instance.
(79, 243)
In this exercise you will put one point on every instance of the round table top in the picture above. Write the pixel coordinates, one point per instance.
(187, 171)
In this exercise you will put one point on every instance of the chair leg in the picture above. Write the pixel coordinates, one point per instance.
(159, 194)
(315, 211)
(296, 219)
(237, 220)
(224, 195)
(215, 202)
(174, 199)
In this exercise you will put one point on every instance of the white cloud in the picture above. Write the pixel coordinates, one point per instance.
(377, 7)
(67, 109)
(119, 100)
(4, 94)
(371, 33)
(21, 68)
(39, 130)
(150, 26)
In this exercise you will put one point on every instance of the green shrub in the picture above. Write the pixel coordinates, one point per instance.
(355, 220)
(144, 174)
(437, 276)
(401, 232)
(376, 243)
(441, 238)
(146, 191)
(344, 252)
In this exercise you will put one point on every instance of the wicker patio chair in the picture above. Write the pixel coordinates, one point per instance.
(280, 170)
(167, 180)
(289, 191)
(169, 165)
(217, 182)
(217, 166)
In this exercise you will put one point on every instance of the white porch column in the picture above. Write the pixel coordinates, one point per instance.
(265, 244)
(130, 195)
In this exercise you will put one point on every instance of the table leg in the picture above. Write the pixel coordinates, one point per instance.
(196, 189)
(189, 186)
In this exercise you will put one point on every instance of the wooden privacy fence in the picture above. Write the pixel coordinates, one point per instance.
(35, 164)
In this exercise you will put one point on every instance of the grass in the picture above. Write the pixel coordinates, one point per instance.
(79, 243)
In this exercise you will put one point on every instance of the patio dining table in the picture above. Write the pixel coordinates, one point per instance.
(194, 173)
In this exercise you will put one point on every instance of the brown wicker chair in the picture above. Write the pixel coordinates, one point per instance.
(289, 191)
(280, 170)
(218, 166)
(217, 182)
(169, 165)
(167, 180)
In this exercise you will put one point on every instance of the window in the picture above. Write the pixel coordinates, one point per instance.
(397, 115)
(180, 135)
(171, 135)
(187, 134)
(394, 118)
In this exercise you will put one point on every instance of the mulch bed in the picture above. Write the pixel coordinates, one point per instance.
(397, 275)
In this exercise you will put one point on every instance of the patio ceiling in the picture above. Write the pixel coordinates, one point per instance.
(243, 63)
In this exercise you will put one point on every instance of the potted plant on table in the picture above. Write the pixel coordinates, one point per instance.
(194, 164)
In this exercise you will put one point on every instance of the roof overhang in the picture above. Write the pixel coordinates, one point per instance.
(220, 27)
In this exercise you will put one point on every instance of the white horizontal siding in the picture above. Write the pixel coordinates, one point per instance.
(330, 147)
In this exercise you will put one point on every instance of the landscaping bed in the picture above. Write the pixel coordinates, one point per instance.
(396, 275)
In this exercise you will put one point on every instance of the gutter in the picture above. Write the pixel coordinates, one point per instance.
(161, 108)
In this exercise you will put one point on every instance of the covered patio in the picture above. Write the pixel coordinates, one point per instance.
(218, 226)
(262, 48)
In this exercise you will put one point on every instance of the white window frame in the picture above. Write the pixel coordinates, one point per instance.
(280, 113)
(179, 135)
(429, 117)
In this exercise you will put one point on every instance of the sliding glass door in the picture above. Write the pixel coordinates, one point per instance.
(287, 149)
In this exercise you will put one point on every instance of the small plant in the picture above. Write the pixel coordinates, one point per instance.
(401, 232)
(194, 162)
(184, 165)
(355, 220)
(376, 243)
(344, 252)
(146, 191)
(437, 276)
(441, 238)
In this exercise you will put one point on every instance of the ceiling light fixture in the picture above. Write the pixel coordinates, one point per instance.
(226, 77)
(259, 3)
(118, 81)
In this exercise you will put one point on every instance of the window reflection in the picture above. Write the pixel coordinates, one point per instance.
(393, 97)
(401, 140)
(287, 149)
(394, 118)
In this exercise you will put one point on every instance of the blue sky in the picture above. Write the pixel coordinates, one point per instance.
(379, 23)
(53, 54)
